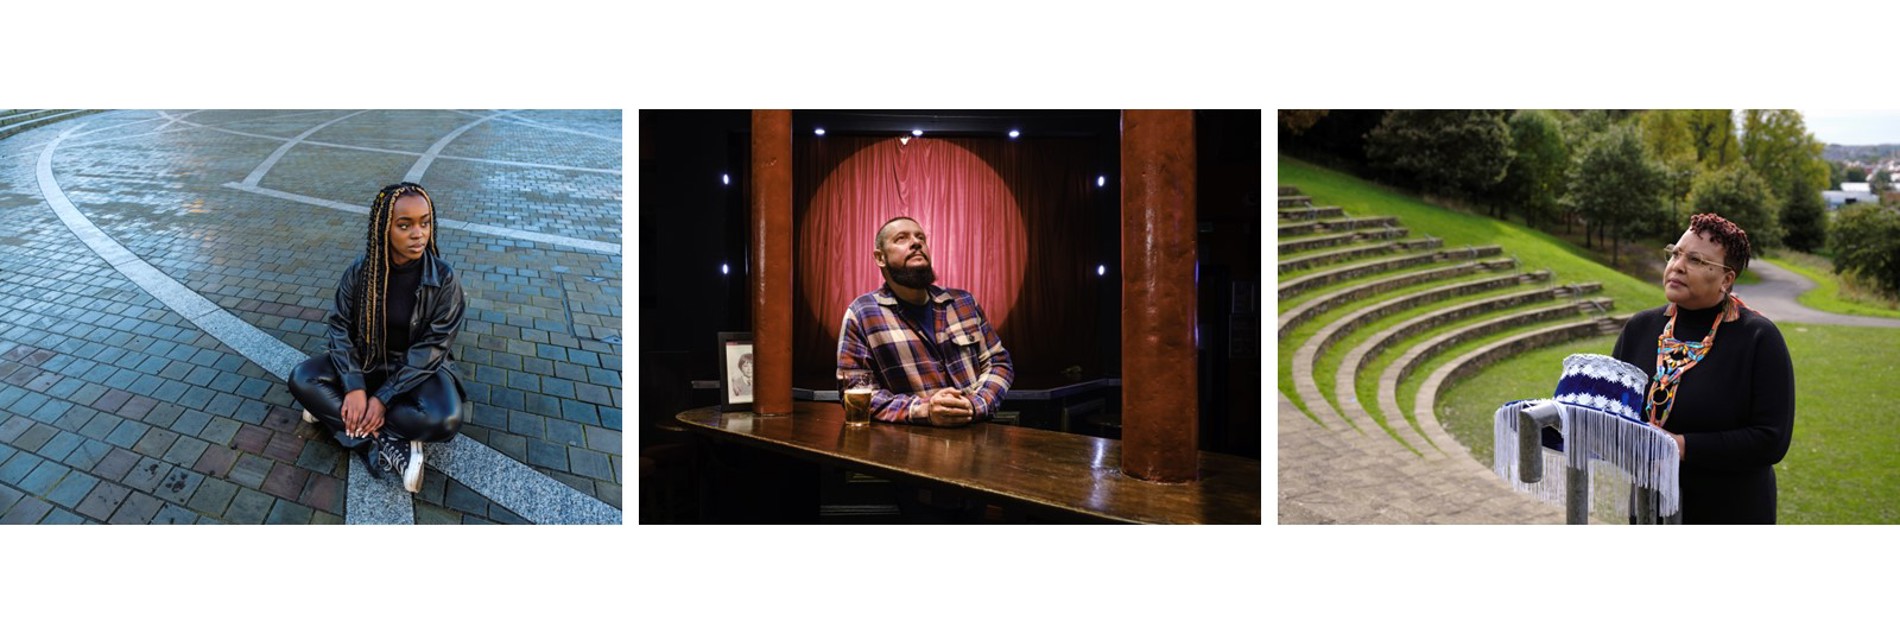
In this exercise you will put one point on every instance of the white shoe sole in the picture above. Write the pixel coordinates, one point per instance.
(412, 476)
(308, 418)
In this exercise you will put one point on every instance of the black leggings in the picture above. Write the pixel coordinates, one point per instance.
(432, 412)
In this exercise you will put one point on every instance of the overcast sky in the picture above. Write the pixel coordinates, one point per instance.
(1853, 127)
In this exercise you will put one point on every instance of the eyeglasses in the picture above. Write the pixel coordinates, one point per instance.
(1671, 252)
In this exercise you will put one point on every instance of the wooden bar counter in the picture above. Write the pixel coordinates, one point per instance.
(1076, 476)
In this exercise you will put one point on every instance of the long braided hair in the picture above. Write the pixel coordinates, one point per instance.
(374, 284)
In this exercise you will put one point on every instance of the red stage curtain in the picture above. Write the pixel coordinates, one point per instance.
(1015, 223)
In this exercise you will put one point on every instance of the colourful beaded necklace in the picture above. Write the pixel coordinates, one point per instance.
(1675, 358)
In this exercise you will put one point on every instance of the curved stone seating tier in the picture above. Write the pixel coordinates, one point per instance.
(1289, 191)
(25, 120)
(1304, 360)
(1353, 363)
(1313, 307)
(1403, 366)
(1287, 200)
(1332, 276)
(11, 117)
(1321, 226)
(1426, 402)
(1340, 239)
(1345, 254)
(1311, 213)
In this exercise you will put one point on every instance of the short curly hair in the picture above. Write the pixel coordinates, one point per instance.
(1733, 239)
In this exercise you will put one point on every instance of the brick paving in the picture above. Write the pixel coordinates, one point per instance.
(1337, 474)
(116, 409)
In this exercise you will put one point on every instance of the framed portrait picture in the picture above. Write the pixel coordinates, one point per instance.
(735, 371)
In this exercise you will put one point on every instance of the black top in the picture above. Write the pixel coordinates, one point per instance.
(922, 318)
(1735, 411)
(403, 281)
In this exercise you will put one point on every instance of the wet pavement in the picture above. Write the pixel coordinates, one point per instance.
(160, 271)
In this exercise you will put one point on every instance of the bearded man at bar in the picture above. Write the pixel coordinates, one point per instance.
(929, 349)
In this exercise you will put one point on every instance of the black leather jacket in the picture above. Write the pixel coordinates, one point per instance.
(432, 329)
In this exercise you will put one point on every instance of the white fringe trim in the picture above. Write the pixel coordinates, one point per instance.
(1635, 455)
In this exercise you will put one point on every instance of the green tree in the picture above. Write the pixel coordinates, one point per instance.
(1534, 182)
(1804, 218)
(1298, 121)
(1862, 239)
(1713, 134)
(1854, 173)
(1458, 152)
(1777, 145)
(1740, 195)
(1614, 184)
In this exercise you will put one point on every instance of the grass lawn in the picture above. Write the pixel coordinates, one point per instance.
(1843, 465)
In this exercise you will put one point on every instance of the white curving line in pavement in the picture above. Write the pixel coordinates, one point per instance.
(512, 484)
(498, 231)
(257, 175)
(521, 120)
(428, 157)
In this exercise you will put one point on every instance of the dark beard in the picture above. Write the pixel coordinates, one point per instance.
(918, 278)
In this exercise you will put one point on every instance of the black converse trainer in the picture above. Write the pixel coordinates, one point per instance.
(403, 458)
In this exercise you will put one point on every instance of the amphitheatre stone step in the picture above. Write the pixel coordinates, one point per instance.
(1405, 364)
(1328, 476)
(1287, 190)
(1340, 224)
(1307, 214)
(1330, 240)
(1346, 254)
(1318, 305)
(1295, 201)
(1295, 286)
(1425, 404)
(1353, 363)
(22, 121)
(1306, 385)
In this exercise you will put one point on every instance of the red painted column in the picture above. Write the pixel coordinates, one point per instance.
(772, 261)
(1160, 409)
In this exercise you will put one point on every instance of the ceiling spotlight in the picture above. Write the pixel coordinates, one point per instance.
(1101, 270)
(723, 270)
(916, 132)
(1015, 133)
(725, 179)
(819, 131)
(1101, 181)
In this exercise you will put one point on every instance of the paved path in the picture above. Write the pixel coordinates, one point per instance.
(1775, 297)
(1337, 475)
(165, 268)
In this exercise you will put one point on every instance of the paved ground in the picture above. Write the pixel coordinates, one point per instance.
(161, 266)
(1775, 296)
(1339, 475)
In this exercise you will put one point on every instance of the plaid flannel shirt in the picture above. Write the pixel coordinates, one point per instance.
(966, 355)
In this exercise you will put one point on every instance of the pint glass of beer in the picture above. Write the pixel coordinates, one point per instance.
(856, 396)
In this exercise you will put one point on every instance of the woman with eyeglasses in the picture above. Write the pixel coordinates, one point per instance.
(1721, 382)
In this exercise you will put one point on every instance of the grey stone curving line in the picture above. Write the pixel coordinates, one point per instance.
(1305, 382)
(1345, 381)
(1297, 285)
(1306, 311)
(1330, 240)
(1411, 359)
(1424, 404)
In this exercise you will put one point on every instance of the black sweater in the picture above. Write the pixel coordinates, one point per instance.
(1735, 411)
